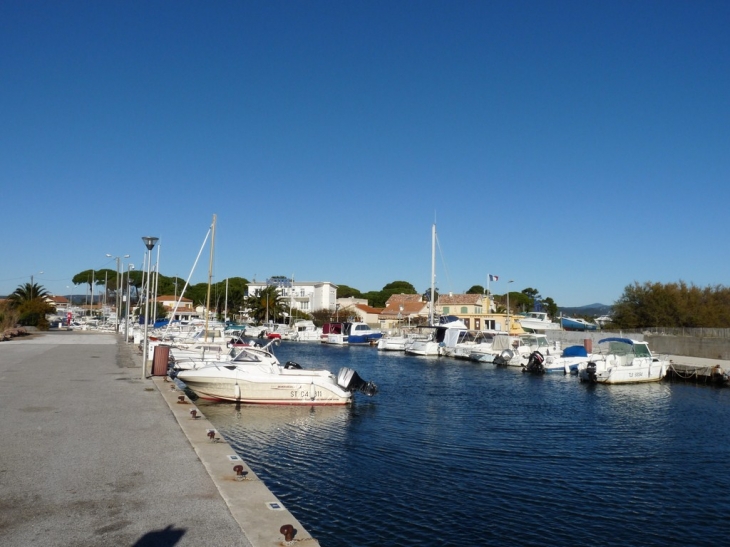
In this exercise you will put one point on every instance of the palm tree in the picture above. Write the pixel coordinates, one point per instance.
(29, 301)
(265, 304)
(27, 292)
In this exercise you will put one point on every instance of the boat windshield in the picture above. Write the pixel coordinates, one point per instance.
(642, 350)
(246, 357)
(620, 348)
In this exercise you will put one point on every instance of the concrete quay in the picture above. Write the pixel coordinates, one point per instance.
(93, 455)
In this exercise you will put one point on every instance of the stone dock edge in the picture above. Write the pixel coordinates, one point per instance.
(263, 518)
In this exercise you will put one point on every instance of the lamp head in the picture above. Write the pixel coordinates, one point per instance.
(149, 242)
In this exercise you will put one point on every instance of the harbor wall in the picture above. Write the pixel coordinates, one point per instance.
(690, 346)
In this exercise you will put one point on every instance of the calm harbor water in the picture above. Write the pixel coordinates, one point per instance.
(458, 453)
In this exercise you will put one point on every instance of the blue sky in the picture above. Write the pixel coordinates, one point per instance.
(573, 147)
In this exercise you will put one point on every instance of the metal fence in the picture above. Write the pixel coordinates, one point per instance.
(688, 332)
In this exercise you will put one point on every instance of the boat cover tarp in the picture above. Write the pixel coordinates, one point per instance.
(451, 336)
(575, 351)
(502, 342)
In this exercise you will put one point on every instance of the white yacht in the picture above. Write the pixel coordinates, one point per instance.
(268, 382)
(622, 361)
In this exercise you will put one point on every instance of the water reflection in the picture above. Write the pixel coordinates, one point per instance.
(455, 453)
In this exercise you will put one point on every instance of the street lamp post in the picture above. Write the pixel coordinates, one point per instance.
(149, 243)
(117, 296)
(130, 267)
(508, 321)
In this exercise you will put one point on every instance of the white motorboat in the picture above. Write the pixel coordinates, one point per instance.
(306, 331)
(398, 342)
(537, 321)
(445, 335)
(567, 362)
(268, 383)
(393, 343)
(515, 351)
(469, 341)
(622, 361)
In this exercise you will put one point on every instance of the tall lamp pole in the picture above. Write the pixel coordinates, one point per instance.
(149, 243)
(130, 267)
(117, 296)
(509, 329)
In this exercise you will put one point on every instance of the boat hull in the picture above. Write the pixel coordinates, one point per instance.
(423, 348)
(577, 325)
(295, 387)
(395, 343)
(641, 371)
(364, 339)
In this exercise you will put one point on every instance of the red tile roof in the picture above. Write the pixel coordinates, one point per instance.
(396, 299)
(452, 299)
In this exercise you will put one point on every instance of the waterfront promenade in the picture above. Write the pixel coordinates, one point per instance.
(94, 455)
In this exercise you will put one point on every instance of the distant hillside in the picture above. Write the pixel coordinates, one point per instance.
(591, 310)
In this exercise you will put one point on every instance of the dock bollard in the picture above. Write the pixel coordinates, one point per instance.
(212, 437)
(193, 413)
(181, 400)
(240, 473)
(289, 532)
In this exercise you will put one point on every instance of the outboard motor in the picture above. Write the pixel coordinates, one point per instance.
(350, 380)
(535, 363)
(591, 372)
(504, 357)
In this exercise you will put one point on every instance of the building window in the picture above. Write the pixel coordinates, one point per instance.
(304, 306)
(476, 323)
(446, 310)
(466, 322)
(464, 309)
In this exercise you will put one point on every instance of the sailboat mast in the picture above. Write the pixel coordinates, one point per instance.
(225, 313)
(210, 277)
(433, 271)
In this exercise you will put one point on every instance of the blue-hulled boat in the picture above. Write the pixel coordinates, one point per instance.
(576, 323)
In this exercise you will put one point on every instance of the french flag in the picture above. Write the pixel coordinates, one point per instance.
(493, 277)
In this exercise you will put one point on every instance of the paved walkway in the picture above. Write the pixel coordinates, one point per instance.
(91, 454)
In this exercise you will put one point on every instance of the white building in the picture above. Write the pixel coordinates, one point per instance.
(307, 296)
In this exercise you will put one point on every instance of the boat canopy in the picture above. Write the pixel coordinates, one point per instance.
(446, 319)
(628, 341)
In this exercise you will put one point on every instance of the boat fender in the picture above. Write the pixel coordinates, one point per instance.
(237, 391)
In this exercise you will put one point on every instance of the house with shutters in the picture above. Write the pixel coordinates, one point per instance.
(475, 311)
